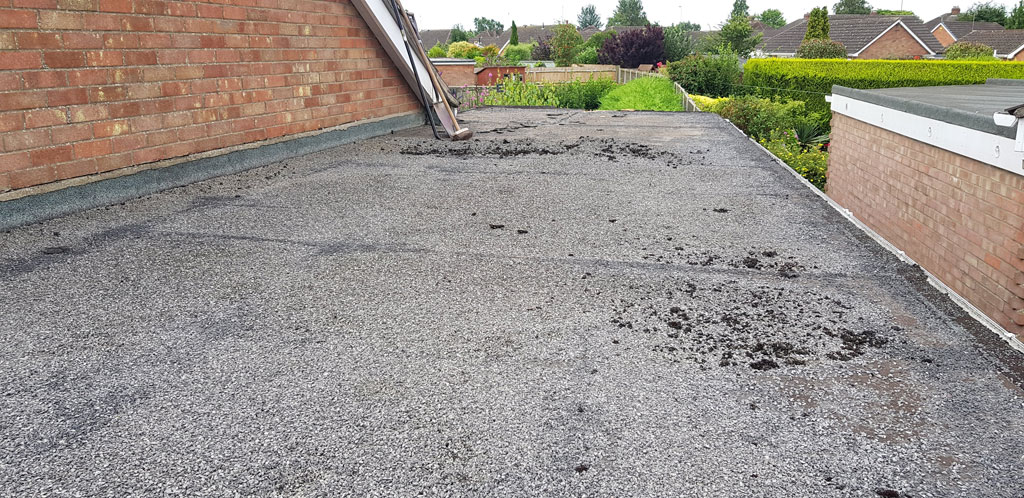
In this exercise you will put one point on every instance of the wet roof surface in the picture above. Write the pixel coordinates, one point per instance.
(600, 304)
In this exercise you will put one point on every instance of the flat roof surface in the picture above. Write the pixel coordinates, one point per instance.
(971, 106)
(571, 304)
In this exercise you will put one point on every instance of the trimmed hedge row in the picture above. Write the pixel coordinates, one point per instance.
(810, 80)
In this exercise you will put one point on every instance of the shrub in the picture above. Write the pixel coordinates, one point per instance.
(542, 51)
(708, 104)
(811, 80)
(437, 51)
(821, 49)
(565, 44)
(757, 117)
(644, 94)
(518, 53)
(970, 51)
(583, 94)
(711, 75)
(597, 39)
(633, 48)
(489, 51)
(463, 50)
(586, 56)
(520, 93)
(811, 163)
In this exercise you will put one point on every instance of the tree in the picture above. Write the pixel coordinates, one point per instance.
(739, 8)
(514, 39)
(588, 18)
(437, 51)
(484, 24)
(565, 44)
(985, 12)
(459, 34)
(635, 47)
(629, 13)
(1016, 19)
(678, 41)
(817, 25)
(739, 35)
(852, 7)
(772, 17)
(542, 51)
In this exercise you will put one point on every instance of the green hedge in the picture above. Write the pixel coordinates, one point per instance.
(811, 80)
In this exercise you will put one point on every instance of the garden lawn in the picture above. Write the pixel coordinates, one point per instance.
(644, 94)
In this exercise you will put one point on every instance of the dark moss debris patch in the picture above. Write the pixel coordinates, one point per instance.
(732, 325)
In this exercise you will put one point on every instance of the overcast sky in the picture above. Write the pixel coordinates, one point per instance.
(434, 14)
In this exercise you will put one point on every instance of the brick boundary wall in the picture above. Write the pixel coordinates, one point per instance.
(960, 219)
(93, 86)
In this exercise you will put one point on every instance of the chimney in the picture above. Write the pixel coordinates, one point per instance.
(956, 11)
(807, 15)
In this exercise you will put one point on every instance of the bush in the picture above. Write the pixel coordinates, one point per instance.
(520, 93)
(583, 94)
(757, 117)
(821, 49)
(597, 39)
(437, 51)
(811, 163)
(970, 51)
(542, 51)
(489, 51)
(586, 56)
(518, 53)
(800, 76)
(711, 75)
(463, 50)
(708, 104)
(633, 48)
(565, 44)
(644, 94)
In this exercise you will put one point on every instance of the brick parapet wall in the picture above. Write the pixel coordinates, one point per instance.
(91, 86)
(960, 219)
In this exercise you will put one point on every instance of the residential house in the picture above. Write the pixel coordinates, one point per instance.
(1007, 43)
(865, 37)
(431, 37)
(949, 29)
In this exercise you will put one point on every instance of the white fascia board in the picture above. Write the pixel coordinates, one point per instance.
(1015, 52)
(890, 28)
(983, 147)
(946, 28)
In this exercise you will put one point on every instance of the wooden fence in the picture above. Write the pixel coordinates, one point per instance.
(567, 74)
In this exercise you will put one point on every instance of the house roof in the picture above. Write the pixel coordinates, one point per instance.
(431, 37)
(856, 32)
(961, 28)
(1006, 42)
(533, 33)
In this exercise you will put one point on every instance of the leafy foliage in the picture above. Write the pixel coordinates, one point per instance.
(711, 75)
(1016, 19)
(883, 12)
(970, 51)
(459, 34)
(463, 50)
(810, 162)
(643, 94)
(482, 24)
(708, 104)
(772, 17)
(515, 92)
(629, 13)
(740, 8)
(514, 36)
(587, 55)
(588, 18)
(633, 48)
(811, 80)
(489, 51)
(817, 26)
(518, 53)
(821, 49)
(739, 35)
(437, 51)
(679, 42)
(565, 44)
(852, 7)
(757, 116)
(583, 94)
(542, 50)
(985, 12)
(597, 39)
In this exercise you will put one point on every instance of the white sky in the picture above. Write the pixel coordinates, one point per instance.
(434, 14)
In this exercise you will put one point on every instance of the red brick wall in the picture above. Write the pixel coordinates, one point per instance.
(897, 43)
(960, 219)
(943, 36)
(90, 86)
